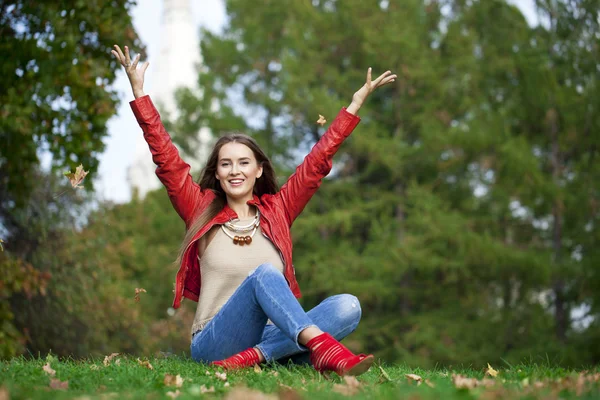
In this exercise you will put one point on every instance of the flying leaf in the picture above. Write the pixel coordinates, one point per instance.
(321, 121)
(48, 369)
(145, 363)
(173, 380)
(491, 371)
(137, 294)
(1, 247)
(77, 177)
(57, 384)
(108, 359)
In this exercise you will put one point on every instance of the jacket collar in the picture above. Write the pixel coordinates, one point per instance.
(227, 212)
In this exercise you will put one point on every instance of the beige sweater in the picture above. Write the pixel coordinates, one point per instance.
(224, 266)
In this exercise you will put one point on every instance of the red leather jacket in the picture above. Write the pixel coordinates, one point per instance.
(278, 211)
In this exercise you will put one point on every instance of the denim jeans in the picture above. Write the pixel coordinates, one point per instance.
(242, 322)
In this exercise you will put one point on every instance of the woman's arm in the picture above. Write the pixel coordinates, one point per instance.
(302, 185)
(172, 171)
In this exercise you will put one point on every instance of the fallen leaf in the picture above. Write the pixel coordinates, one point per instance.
(321, 121)
(145, 363)
(57, 384)
(137, 294)
(1, 247)
(77, 177)
(174, 394)
(415, 378)
(428, 383)
(207, 372)
(94, 367)
(221, 375)
(244, 393)
(491, 371)
(274, 373)
(257, 368)
(118, 361)
(4, 393)
(108, 359)
(173, 380)
(462, 382)
(226, 384)
(48, 369)
(350, 387)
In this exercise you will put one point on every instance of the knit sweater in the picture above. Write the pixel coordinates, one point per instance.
(225, 266)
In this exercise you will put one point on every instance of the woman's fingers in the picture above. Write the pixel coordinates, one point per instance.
(144, 66)
(388, 79)
(121, 55)
(369, 76)
(135, 62)
(127, 59)
(382, 77)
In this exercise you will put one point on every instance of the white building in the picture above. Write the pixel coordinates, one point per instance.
(176, 66)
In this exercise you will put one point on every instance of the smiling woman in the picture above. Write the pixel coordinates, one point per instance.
(238, 229)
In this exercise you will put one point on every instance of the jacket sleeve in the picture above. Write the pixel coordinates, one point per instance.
(172, 171)
(302, 185)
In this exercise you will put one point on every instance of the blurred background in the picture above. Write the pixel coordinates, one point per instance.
(463, 211)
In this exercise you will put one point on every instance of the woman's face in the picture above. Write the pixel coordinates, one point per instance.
(237, 170)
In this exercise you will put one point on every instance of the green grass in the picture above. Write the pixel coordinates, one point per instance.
(90, 379)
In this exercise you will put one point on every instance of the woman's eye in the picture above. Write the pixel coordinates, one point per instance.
(224, 164)
(245, 162)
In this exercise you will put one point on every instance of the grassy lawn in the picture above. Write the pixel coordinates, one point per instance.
(126, 377)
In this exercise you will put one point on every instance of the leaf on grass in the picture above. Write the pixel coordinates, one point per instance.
(491, 371)
(463, 382)
(226, 384)
(108, 359)
(257, 369)
(428, 383)
(77, 177)
(4, 393)
(173, 380)
(350, 387)
(415, 378)
(137, 294)
(48, 369)
(221, 375)
(274, 373)
(174, 394)
(57, 384)
(197, 390)
(94, 367)
(145, 363)
(244, 393)
(321, 121)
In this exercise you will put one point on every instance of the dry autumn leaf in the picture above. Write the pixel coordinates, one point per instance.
(415, 378)
(77, 177)
(137, 294)
(145, 363)
(1, 247)
(350, 387)
(108, 359)
(321, 121)
(173, 380)
(491, 371)
(221, 375)
(463, 382)
(57, 384)
(174, 394)
(204, 389)
(257, 368)
(48, 369)
(244, 393)
(384, 374)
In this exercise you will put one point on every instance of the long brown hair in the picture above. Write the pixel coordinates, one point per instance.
(266, 184)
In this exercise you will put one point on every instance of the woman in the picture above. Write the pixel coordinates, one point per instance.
(238, 229)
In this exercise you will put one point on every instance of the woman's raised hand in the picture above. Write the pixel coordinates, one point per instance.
(369, 87)
(135, 75)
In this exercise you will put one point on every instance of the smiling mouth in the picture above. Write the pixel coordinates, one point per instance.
(236, 182)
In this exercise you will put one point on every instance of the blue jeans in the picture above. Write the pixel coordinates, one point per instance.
(242, 322)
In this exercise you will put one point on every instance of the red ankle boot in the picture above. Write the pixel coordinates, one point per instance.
(244, 359)
(327, 354)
